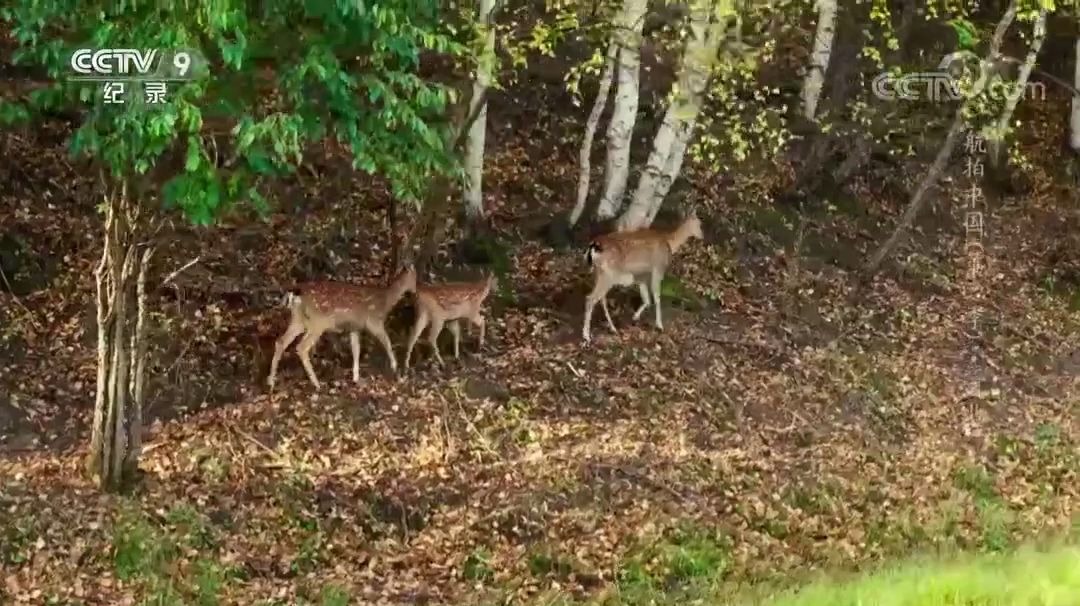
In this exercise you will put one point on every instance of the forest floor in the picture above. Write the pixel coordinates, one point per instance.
(783, 421)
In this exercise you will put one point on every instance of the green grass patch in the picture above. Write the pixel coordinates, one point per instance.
(174, 559)
(684, 565)
(1028, 576)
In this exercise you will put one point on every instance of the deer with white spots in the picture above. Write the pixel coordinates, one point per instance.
(441, 304)
(319, 307)
(640, 257)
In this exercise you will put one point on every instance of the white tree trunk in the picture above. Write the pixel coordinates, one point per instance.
(819, 58)
(474, 145)
(115, 441)
(584, 158)
(1074, 117)
(708, 20)
(628, 26)
(671, 170)
(1016, 92)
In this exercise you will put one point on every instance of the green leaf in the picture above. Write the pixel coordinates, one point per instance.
(194, 155)
(12, 113)
(260, 161)
(966, 35)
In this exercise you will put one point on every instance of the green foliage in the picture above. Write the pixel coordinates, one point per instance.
(477, 567)
(332, 595)
(966, 34)
(285, 75)
(688, 561)
(148, 555)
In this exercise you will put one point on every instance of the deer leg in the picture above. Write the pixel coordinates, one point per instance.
(644, 290)
(607, 315)
(304, 350)
(418, 327)
(295, 329)
(656, 278)
(479, 321)
(378, 331)
(354, 341)
(599, 292)
(455, 329)
(433, 336)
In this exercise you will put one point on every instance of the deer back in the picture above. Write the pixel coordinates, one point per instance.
(336, 305)
(635, 252)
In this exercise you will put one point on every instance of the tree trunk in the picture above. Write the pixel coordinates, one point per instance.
(116, 437)
(1074, 116)
(708, 20)
(628, 26)
(474, 146)
(997, 144)
(919, 197)
(584, 158)
(819, 59)
(427, 232)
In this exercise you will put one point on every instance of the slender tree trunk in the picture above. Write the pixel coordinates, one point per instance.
(997, 144)
(427, 233)
(1074, 116)
(115, 441)
(918, 199)
(584, 157)
(819, 58)
(708, 21)
(672, 170)
(474, 146)
(627, 36)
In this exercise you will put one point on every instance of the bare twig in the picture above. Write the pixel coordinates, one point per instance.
(18, 301)
(169, 278)
(641, 477)
(278, 462)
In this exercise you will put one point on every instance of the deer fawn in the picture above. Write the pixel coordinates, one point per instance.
(318, 307)
(437, 304)
(640, 256)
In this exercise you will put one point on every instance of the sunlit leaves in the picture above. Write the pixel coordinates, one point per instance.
(966, 34)
(289, 74)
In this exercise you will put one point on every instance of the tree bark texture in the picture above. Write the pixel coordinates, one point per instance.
(997, 145)
(474, 153)
(814, 81)
(708, 26)
(116, 434)
(620, 133)
(585, 155)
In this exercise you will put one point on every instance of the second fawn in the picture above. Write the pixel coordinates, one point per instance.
(438, 304)
(318, 307)
(634, 257)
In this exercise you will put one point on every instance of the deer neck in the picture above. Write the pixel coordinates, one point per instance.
(397, 290)
(679, 237)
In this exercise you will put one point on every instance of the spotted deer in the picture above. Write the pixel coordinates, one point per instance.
(318, 307)
(439, 304)
(633, 257)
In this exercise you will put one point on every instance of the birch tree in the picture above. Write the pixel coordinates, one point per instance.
(819, 58)
(1016, 89)
(628, 25)
(1074, 115)
(708, 25)
(474, 146)
(585, 155)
